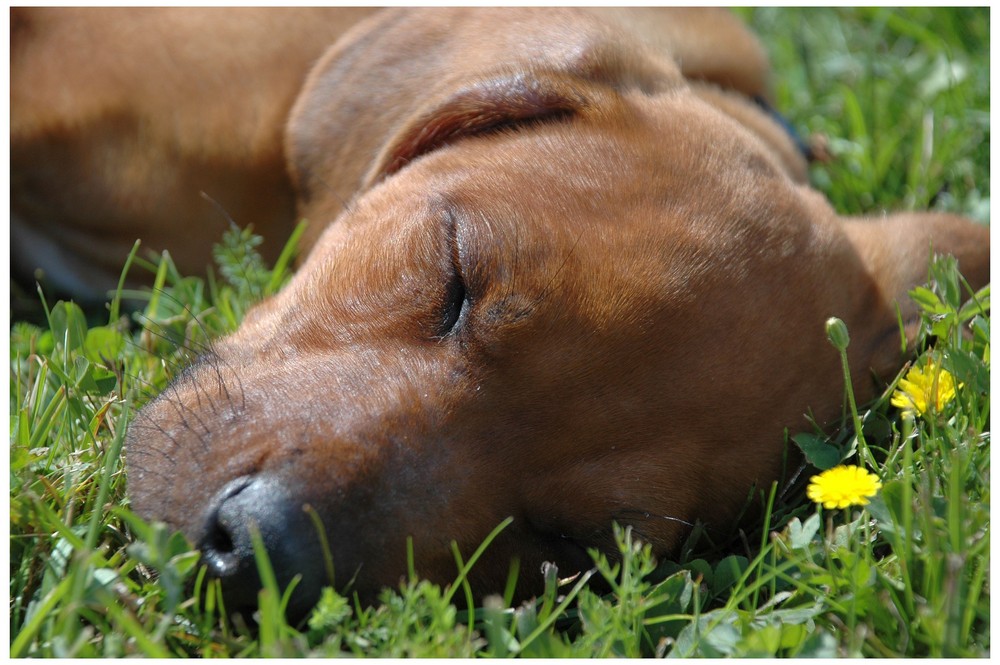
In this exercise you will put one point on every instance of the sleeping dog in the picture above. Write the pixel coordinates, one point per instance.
(564, 267)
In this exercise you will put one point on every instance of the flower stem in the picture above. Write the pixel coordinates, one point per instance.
(836, 332)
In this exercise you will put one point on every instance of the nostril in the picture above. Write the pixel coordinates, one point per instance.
(219, 540)
(219, 551)
(225, 545)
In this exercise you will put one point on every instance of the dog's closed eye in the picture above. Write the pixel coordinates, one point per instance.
(457, 301)
(456, 306)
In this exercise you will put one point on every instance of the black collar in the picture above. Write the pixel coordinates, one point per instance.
(803, 147)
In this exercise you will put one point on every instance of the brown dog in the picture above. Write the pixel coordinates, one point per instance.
(579, 280)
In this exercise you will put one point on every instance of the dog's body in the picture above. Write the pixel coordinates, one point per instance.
(580, 280)
(121, 119)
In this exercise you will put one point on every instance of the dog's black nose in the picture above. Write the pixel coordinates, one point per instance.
(264, 504)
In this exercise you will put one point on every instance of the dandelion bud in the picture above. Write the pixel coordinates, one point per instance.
(836, 332)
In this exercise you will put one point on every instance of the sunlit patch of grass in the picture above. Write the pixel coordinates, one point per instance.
(902, 96)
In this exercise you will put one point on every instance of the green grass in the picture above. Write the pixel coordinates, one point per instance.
(903, 98)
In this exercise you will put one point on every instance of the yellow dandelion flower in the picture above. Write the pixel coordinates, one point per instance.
(843, 486)
(916, 392)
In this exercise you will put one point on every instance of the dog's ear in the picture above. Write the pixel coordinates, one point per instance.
(485, 106)
(403, 83)
(897, 249)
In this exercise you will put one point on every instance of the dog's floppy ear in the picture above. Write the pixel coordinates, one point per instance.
(896, 250)
(485, 106)
(401, 84)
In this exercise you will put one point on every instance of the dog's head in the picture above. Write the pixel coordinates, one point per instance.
(572, 295)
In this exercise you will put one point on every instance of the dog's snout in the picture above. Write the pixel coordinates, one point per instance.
(260, 504)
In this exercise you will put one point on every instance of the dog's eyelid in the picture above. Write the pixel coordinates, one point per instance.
(454, 238)
(457, 301)
(457, 228)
